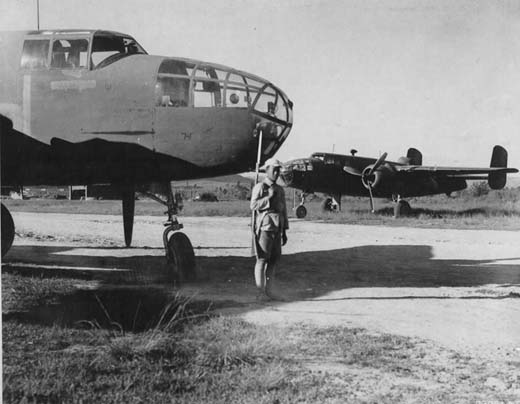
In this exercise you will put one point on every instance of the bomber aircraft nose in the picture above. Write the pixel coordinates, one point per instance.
(296, 173)
(287, 174)
(231, 109)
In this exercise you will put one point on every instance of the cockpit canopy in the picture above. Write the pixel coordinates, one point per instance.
(76, 49)
(191, 83)
(180, 82)
(329, 158)
(108, 48)
(217, 86)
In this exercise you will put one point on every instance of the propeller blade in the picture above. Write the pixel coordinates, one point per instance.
(371, 198)
(352, 170)
(378, 163)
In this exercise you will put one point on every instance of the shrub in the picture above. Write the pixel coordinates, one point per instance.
(480, 188)
(208, 197)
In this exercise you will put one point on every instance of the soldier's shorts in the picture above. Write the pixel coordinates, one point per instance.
(269, 245)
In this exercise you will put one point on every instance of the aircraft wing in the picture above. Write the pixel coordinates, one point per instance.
(460, 172)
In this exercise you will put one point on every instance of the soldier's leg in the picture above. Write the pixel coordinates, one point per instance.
(265, 243)
(260, 273)
(275, 255)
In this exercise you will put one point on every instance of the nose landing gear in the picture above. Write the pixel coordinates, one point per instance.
(179, 254)
(301, 211)
(330, 204)
(179, 251)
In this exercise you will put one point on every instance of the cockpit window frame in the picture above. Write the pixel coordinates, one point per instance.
(114, 57)
(25, 58)
(58, 38)
(234, 89)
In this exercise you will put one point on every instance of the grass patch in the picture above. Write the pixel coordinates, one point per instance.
(496, 209)
(21, 292)
(227, 360)
(186, 355)
(113, 207)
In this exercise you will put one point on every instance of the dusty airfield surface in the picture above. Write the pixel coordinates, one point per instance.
(456, 288)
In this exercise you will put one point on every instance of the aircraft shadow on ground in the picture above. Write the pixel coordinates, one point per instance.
(55, 262)
(303, 275)
(129, 310)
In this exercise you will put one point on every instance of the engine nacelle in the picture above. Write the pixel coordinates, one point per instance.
(374, 180)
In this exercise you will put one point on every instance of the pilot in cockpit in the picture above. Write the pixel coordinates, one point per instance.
(132, 48)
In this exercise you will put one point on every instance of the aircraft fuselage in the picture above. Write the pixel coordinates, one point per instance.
(92, 107)
(326, 175)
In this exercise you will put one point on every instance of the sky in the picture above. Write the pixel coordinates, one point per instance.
(442, 76)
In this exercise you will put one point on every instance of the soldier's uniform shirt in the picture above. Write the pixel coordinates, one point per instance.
(271, 212)
(271, 222)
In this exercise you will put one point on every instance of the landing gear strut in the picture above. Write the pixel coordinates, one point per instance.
(401, 207)
(128, 198)
(179, 251)
(327, 205)
(301, 211)
(332, 204)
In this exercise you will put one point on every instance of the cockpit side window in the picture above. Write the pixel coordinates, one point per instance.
(107, 49)
(173, 83)
(69, 53)
(207, 87)
(237, 92)
(35, 54)
(329, 159)
(270, 102)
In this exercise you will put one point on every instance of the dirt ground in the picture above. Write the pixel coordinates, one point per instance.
(456, 288)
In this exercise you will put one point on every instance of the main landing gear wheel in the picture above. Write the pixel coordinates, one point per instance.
(328, 205)
(402, 208)
(7, 230)
(181, 258)
(301, 212)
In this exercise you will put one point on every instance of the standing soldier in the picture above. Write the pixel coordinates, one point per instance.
(268, 203)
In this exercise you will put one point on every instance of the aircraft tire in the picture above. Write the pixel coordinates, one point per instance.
(402, 208)
(327, 205)
(301, 212)
(7, 230)
(181, 257)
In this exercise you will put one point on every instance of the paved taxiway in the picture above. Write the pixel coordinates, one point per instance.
(459, 288)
